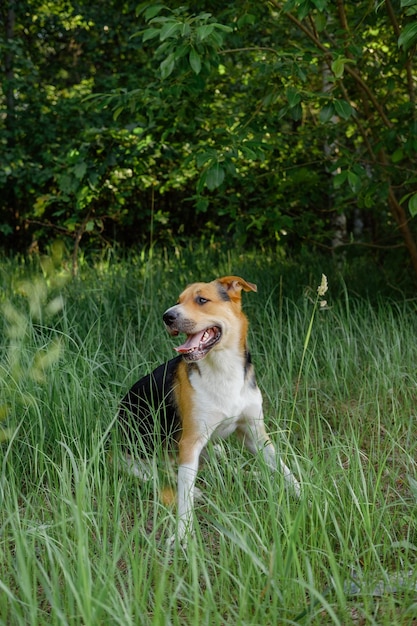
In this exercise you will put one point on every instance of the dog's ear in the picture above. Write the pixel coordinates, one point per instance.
(235, 284)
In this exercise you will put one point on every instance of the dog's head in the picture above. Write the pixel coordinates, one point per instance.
(210, 315)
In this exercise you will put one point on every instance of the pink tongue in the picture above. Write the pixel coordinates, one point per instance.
(193, 341)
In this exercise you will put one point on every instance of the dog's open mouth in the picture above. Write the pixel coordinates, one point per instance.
(199, 344)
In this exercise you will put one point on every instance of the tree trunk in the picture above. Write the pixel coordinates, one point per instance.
(400, 217)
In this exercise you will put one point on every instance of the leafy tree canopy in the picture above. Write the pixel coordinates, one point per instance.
(275, 122)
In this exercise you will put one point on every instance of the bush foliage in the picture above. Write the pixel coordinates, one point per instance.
(255, 123)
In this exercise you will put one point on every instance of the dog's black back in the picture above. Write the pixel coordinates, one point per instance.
(151, 398)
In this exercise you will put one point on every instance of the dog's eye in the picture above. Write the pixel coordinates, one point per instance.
(201, 300)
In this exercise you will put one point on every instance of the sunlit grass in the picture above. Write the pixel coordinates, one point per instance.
(81, 543)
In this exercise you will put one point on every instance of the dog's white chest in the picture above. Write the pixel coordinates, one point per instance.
(224, 396)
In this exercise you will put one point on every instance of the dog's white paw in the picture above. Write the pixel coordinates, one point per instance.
(181, 537)
(172, 541)
(291, 480)
(293, 483)
(176, 539)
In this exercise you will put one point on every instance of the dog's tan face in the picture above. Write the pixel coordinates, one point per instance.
(210, 315)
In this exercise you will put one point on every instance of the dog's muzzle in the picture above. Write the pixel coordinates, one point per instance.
(198, 344)
(175, 323)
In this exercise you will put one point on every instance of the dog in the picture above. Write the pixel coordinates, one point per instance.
(209, 390)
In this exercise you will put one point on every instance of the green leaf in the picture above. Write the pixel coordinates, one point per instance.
(117, 112)
(71, 224)
(167, 66)
(410, 6)
(215, 176)
(149, 33)
(321, 5)
(80, 169)
(248, 153)
(180, 51)
(293, 97)
(223, 27)
(326, 113)
(205, 31)
(338, 67)
(201, 205)
(195, 61)
(408, 36)
(304, 8)
(320, 21)
(66, 183)
(202, 158)
(6, 229)
(201, 183)
(368, 201)
(296, 112)
(246, 18)
(289, 5)
(149, 9)
(153, 10)
(170, 29)
(185, 30)
(354, 181)
(343, 108)
(412, 205)
(398, 155)
(339, 179)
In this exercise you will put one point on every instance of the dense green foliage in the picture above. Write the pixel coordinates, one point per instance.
(83, 543)
(250, 122)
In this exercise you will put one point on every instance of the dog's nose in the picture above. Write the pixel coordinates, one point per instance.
(169, 317)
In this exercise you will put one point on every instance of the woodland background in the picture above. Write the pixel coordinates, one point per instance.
(289, 126)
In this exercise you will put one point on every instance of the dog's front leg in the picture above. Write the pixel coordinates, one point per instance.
(186, 484)
(189, 455)
(270, 457)
(255, 438)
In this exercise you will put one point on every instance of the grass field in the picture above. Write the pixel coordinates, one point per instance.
(82, 543)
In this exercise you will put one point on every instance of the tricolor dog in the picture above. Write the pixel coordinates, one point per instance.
(208, 391)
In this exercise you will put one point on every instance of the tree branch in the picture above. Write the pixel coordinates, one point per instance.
(342, 15)
(397, 209)
(408, 64)
(328, 55)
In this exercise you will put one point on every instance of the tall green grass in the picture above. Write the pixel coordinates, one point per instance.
(82, 543)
